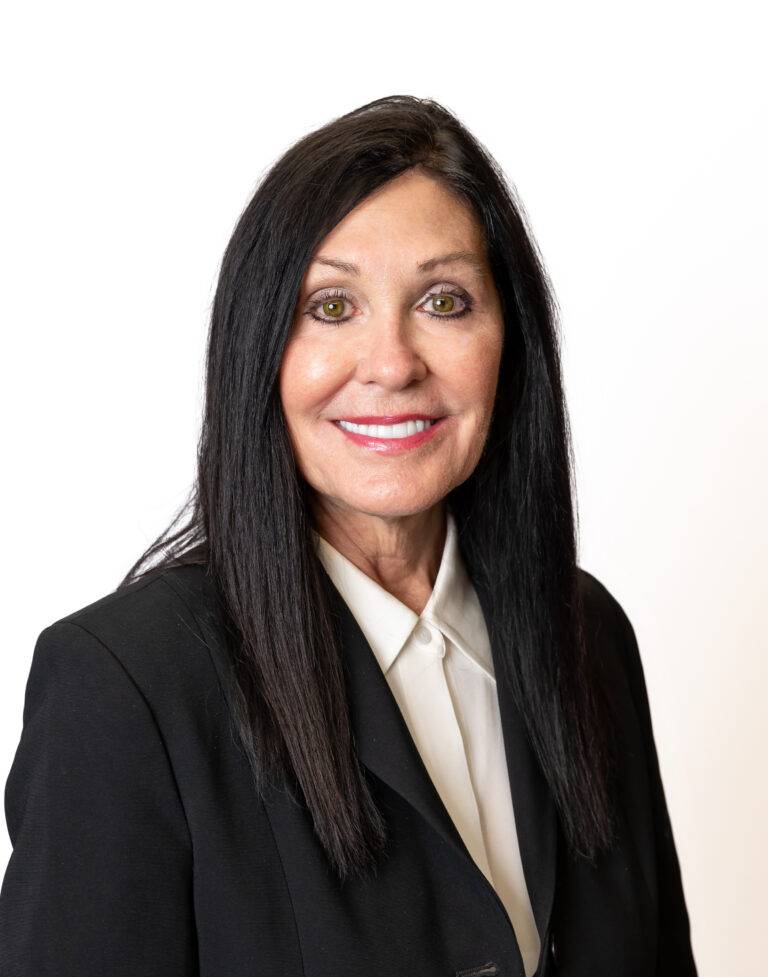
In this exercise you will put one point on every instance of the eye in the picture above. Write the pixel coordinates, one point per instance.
(447, 302)
(442, 303)
(331, 307)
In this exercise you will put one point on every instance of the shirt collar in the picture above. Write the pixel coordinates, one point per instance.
(387, 623)
(453, 606)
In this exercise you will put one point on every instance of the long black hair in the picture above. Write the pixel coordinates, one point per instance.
(248, 517)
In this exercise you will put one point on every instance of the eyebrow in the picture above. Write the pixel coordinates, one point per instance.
(467, 257)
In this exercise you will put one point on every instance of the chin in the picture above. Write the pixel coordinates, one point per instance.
(392, 506)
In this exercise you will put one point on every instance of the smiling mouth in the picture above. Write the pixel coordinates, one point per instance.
(390, 434)
(387, 431)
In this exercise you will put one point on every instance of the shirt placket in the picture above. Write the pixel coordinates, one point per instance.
(444, 755)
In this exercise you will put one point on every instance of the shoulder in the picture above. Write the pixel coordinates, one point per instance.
(608, 630)
(604, 615)
(612, 643)
(152, 604)
(161, 634)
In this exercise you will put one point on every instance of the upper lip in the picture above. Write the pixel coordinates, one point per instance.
(387, 418)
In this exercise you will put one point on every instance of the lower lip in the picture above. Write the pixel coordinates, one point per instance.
(393, 445)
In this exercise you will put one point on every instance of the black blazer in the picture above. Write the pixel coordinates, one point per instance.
(142, 850)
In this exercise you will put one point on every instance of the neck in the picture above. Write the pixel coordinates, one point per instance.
(402, 554)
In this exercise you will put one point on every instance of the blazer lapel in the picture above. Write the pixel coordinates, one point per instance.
(383, 742)
(386, 748)
(382, 739)
(535, 813)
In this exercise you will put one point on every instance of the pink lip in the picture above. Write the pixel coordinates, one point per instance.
(388, 446)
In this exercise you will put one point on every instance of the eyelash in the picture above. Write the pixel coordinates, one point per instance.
(338, 293)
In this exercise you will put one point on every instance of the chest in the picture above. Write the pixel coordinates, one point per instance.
(266, 901)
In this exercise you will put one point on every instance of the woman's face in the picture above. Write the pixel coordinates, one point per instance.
(389, 375)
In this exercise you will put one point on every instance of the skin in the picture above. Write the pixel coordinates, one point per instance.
(382, 505)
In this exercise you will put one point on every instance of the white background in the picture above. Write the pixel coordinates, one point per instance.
(635, 133)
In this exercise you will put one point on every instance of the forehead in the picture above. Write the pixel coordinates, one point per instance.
(413, 216)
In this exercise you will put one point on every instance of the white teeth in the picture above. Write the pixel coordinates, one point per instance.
(387, 431)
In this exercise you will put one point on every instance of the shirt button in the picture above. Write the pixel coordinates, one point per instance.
(423, 635)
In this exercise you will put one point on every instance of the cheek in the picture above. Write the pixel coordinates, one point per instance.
(309, 375)
(477, 372)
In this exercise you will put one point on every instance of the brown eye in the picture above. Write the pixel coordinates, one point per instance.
(334, 308)
(442, 303)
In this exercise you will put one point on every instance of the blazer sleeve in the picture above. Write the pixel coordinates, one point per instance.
(100, 878)
(675, 956)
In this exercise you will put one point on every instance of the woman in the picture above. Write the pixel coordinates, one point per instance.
(365, 715)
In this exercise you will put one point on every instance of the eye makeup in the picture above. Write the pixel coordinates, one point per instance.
(339, 296)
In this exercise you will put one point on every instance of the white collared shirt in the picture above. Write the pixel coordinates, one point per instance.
(438, 665)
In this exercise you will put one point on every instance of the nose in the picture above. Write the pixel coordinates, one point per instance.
(388, 355)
